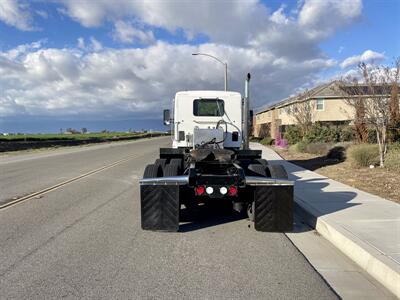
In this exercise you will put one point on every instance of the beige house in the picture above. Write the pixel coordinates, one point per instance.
(324, 102)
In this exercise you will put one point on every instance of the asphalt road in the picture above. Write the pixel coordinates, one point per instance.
(84, 240)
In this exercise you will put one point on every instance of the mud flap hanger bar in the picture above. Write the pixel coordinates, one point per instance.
(173, 180)
(184, 180)
(257, 180)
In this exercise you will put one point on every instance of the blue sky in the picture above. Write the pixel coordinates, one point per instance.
(97, 63)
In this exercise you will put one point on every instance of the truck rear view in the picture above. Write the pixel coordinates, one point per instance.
(210, 161)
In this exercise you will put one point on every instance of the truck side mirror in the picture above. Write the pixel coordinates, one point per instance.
(167, 117)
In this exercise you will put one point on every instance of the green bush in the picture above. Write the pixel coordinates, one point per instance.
(392, 159)
(301, 146)
(394, 132)
(346, 134)
(319, 133)
(255, 139)
(318, 148)
(267, 141)
(372, 139)
(363, 155)
(293, 135)
(322, 134)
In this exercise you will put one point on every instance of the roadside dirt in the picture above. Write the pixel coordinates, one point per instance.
(378, 181)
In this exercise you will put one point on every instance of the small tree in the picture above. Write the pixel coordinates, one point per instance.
(84, 130)
(302, 111)
(375, 94)
(394, 123)
(351, 86)
(72, 130)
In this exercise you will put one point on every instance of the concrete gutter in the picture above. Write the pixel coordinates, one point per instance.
(363, 226)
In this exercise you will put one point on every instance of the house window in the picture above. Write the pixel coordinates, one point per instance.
(320, 104)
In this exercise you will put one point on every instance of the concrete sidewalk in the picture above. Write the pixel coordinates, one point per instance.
(363, 226)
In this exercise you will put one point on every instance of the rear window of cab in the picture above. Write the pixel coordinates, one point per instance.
(208, 107)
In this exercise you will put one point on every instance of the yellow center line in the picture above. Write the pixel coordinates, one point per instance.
(61, 184)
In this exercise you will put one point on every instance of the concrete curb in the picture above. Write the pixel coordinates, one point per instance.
(373, 261)
(370, 259)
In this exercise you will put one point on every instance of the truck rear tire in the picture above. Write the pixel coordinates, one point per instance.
(257, 170)
(171, 170)
(244, 163)
(262, 161)
(152, 171)
(278, 171)
(176, 161)
(161, 162)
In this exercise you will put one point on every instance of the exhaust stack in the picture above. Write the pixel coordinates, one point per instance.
(246, 113)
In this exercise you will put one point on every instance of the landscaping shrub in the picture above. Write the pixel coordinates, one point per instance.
(301, 146)
(267, 141)
(346, 134)
(293, 135)
(394, 133)
(322, 134)
(372, 136)
(392, 159)
(255, 139)
(363, 155)
(318, 148)
(319, 133)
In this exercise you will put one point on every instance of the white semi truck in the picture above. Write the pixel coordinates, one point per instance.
(210, 160)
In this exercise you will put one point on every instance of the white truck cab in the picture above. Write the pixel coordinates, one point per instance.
(210, 160)
(206, 117)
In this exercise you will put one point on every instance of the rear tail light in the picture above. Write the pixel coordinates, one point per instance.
(232, 191)
(200, 190)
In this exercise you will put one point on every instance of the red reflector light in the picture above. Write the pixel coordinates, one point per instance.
(200, 190)
(232, 191)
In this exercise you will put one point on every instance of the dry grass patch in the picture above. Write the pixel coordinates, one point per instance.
(383, 182)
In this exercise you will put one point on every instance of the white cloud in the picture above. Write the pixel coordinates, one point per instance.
(244, 24)
(234, 25)
(279, 16)
(95, 44)
(43, 14)
(280, 50)
(322, 17)
(138, 82)
(125, 32)
(16, 14)
(367, 56)
(81, 43)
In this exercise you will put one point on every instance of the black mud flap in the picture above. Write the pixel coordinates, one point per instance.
(273, 211)
(160, 207)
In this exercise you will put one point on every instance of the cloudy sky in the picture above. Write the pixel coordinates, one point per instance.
(117, 64)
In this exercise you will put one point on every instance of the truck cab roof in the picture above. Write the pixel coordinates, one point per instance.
(208, 93)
